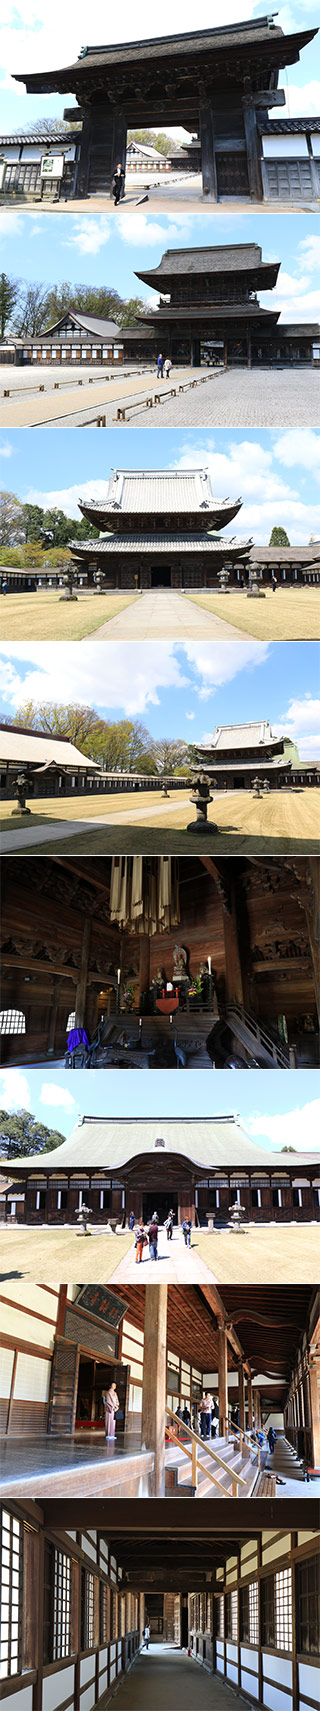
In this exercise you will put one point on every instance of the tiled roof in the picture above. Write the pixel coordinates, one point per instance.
(21, 747)
(208, 1141)
(90, 323)
(111, 544)
(156, 491)
(240, 736)
(213, 258)
(287, 126)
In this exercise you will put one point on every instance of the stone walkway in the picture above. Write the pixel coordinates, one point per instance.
(250, 398)
(175, 1263)
(163, 612)
(164, 1676)
(70, 405)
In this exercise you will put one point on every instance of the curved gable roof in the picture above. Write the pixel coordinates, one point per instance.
(98, 1143)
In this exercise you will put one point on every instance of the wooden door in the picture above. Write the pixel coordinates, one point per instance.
(64, 1385)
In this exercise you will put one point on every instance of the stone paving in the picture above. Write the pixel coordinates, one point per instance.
(249, 398)
(163, 612)
(164, 1676)
(175, 1264)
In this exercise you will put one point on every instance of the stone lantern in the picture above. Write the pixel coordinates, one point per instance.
(69, 580)
(223, 580)
(201, 798)
(23, 786)
(99, 580)
(254, 592)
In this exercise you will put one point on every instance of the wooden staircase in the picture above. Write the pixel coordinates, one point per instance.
(225, 1467)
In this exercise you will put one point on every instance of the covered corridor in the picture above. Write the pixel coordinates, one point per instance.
(165, 1676)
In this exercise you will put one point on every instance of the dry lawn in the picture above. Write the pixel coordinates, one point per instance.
(280, 1253)
(290, 615)
(286, 822)
(45, 617)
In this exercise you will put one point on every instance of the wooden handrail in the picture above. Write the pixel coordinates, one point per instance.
(195, 1442)
(244, 1436)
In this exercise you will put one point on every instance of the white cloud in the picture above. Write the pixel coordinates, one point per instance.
(250, 470)
(141, 230)
(15, 1092)
(6, 450)
(46, 669)
(67, 498)
(299, 1128)
(301, 99)
(88, 236)
(10, 224)
(53, 1094)
(301, 722)
(310, 252)
(34, 38)
(190, 715)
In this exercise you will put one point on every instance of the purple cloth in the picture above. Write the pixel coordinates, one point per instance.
(77, 1037)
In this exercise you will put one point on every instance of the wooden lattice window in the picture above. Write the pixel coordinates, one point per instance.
(12, 1022)
(104, 1614)
(232, 1616)
(308, 1607)
(114, 1615)
(87, 1610)
(277, 1611)
(57, 1604)
(220, 1627)
(244, 1614)
(11, 1577)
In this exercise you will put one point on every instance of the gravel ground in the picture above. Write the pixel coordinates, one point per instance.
(241, 398)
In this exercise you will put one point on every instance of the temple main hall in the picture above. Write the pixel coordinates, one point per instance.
(160, 528)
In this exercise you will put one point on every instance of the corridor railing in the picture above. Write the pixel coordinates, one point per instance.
(245, 1442)
(197, 1466)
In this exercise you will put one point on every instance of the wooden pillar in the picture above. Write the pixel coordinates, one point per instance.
(81, 992)
(233, 970)
(222, 1377)
(208, 154)
(144, 966)
(314, 1378)
(260, 1599)
(53, 1018)
(38, 1595)
(154, 1389)
(119, 143)
(252, 145)
(250, 1405)
(61, 1310)
(242, 1399)
(295, 1665)
(257, 1410)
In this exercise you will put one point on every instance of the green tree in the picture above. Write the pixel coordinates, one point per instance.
(99, 300)
(21, 1134)
(9, 294)
(170, 755)
(33, 521)
(278, 537)
(131, 311)
(12, 526)
(80, 725)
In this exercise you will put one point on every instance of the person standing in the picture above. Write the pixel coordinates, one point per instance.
(187, 1227)
(168, 367)
(153, 1233)
(118, 183)
(169, 1226)
(205, 1411)
(160, 366)
(274, 583)
(140, 1243)
(146, 1636)
(111, 1404)
(131, 1221)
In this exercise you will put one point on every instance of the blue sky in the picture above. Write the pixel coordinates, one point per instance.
(276, 474)
(35, 37)
(277, 1109)
(108, 249)
(181, 691)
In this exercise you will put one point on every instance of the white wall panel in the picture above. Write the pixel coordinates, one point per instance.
(232, 1651)
(220, 1665)
(278, 1668)
(309, 1680)
(32, 1380)
(25, 1326)
(275, 1700)
(6, 1364)
(88, 1698)
(249, 1659)
(283, 146)
(21, 1701)
(103, 1658)
(57, 1687)
(232, 1672)
(250, 1684)
(86, 1668)
(89, 1548)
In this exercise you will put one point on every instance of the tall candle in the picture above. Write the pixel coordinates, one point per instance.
(119, 975)
(209, 964)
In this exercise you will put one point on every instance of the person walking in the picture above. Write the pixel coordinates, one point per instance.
(168, 367)
(146, 1636)
(187, 1227)
(274, 583)
(141, 1242)
(272, 1439)
(131, 1221)
(118, 182)
(111, 1404)
(153, 1233)
(186, 1416)
(160, 366)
